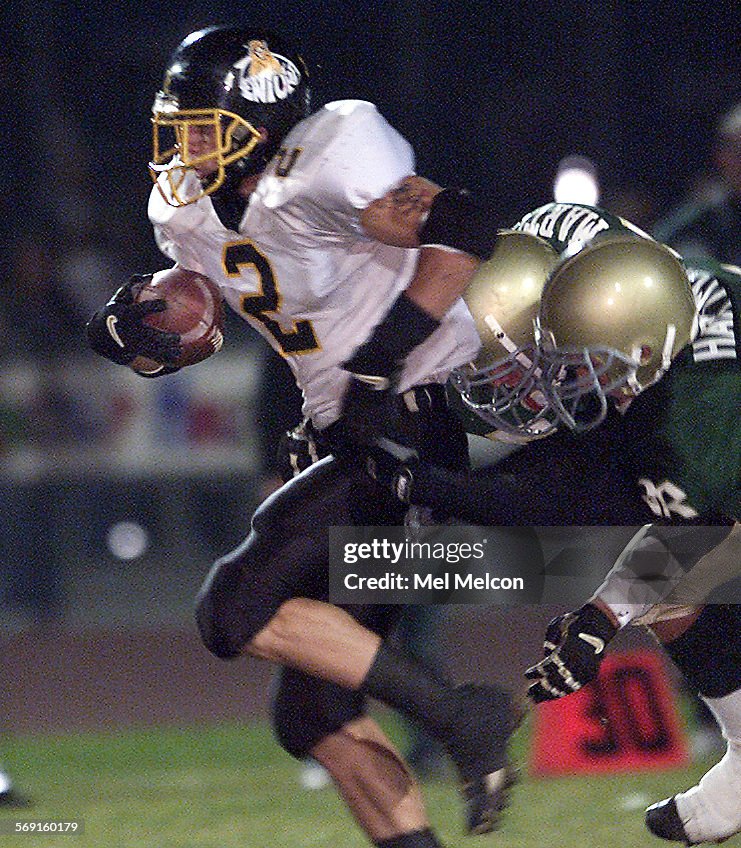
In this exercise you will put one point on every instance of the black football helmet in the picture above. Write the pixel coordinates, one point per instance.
(243, 86)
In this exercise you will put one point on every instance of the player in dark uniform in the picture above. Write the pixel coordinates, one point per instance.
(671, 455)
(678, 383)
(498, 396)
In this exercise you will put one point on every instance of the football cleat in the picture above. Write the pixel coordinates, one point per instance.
(478, 747)
(662, 819)
(12, 799)
(486, 800)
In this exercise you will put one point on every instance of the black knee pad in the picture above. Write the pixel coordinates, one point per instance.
(709, 653)
(305, 709)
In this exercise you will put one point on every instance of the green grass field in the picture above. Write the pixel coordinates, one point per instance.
(228, 786)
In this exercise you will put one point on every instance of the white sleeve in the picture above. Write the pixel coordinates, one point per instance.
(176, 229)
(365, 159)
(655, 560)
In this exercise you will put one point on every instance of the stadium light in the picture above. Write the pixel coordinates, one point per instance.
(127, 540)
(576, 181)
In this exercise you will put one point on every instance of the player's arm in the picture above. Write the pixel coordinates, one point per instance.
(482, 496)
(117, 331)
(655, 560)
(646, 572)
(454, 235)
(454, 232)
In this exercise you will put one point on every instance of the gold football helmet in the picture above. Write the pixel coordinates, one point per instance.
(500, 386)
(612, 317)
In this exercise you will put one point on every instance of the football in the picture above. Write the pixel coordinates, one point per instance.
(195, 311)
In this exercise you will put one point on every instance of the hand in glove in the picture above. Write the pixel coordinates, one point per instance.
(298, 449)
(368, 408)
(118, 332)
(573, 649)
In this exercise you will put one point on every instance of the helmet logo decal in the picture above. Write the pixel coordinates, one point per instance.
(263, 76)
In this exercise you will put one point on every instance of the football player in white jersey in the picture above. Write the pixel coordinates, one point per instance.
(321, 236)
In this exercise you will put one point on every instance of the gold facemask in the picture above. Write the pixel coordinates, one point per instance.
(174, 169)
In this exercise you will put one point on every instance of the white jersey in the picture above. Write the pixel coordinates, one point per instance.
(301, 270)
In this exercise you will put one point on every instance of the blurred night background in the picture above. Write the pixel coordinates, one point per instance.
(118, 492)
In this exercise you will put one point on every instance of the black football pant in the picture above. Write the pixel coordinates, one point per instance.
(286, 555)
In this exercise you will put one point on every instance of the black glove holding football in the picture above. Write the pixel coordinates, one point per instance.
(118, 333)
(573, 649)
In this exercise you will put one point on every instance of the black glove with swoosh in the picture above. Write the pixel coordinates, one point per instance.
(573, 649)
(118, 333)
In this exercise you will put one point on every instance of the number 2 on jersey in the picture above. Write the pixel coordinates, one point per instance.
(266, 302)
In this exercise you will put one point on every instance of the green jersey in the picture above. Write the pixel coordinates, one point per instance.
(682, 436)
(565, 226)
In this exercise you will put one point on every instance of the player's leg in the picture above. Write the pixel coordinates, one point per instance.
(473, 723)
(707, 650)
(377, 785)
(327, 722)
(245, 594)
(317, 638)
(418, 632)
(705, 644)
(262, 599)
